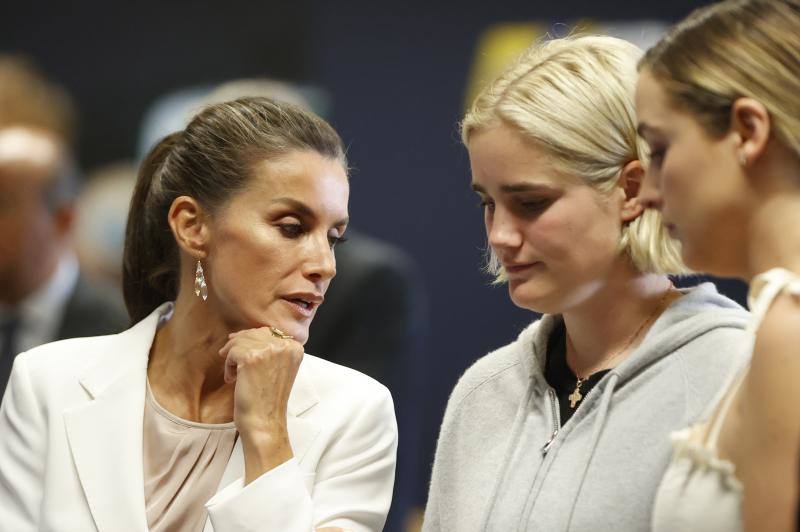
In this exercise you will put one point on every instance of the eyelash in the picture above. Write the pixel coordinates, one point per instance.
(657, 157)
(535, 206)
(528, 206)
(296, 230)
(336, 241)
(292, 230)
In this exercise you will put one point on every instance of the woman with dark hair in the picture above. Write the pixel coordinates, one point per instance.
(717, 102)
(206, 414)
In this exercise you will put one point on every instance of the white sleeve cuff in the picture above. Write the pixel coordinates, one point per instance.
(277, 500)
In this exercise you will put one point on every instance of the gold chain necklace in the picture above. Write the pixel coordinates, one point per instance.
(575, 397)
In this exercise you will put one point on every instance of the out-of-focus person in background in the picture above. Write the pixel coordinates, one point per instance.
(567, 427)
(374, 317)
(43, 296)
(718, 102)
(100, 213)
(206, 414)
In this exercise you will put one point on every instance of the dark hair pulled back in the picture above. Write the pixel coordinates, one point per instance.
(210, 160)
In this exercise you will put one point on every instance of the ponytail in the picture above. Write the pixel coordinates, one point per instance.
(149, 264)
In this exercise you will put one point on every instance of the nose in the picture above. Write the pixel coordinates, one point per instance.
(650, 193)
(502, 230)
(321, 262)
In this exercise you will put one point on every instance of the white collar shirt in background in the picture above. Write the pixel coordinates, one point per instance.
(41, 312)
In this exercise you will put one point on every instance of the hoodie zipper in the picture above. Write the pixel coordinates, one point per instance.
(556, 421)
(557, 416)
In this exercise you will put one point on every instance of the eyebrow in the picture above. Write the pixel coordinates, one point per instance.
(517, 187)
(305, 210)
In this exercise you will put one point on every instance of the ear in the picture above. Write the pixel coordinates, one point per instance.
(64, 218)
(751, 123)
(189, 224)
(630, 181)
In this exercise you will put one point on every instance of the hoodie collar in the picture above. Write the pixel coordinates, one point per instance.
(683, 320)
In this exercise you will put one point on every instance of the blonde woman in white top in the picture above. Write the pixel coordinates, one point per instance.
(719, 104)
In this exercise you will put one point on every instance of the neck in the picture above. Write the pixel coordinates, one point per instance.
(774, 235)
(603, 329)
(185, 370)
(773, 228)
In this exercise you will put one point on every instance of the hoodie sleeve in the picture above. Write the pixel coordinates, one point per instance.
(461, 435)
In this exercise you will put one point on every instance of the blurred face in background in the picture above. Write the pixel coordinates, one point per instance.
(556, 237)
(31, 232)
(270, 256)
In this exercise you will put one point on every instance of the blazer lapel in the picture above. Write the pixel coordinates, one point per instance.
(302, 431)
(105, 434)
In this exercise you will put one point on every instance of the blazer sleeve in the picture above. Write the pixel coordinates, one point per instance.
(352, 488)
(22, 442)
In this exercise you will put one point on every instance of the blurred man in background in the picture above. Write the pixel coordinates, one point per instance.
(43, 297)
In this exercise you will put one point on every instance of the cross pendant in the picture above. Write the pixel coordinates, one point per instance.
(575, 396)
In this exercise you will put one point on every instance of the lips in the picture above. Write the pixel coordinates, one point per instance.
(517, 267)
(671, 229)
(304, 303)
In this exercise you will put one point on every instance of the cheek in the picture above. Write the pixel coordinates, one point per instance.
(29, 236)
(248, 261)
(674, 184)
(548, 236)
(687, 171)
(575, 239)
(685, 191)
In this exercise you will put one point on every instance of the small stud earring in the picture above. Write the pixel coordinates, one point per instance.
(742, 160)
(200, 287)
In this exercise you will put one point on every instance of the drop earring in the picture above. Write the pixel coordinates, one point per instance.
(742, 160)
(200, 287)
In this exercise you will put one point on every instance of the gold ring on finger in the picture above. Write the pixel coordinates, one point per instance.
(277, 333)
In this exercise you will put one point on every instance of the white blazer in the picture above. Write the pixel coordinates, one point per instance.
(71, 455)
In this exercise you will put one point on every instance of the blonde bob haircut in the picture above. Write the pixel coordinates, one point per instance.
(729, 50)
(573, 98)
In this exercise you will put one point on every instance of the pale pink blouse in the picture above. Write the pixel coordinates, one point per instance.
(183, 464)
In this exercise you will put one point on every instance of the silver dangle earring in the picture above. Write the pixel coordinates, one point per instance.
(200, 287)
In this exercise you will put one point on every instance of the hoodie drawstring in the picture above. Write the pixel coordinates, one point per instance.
(599, 425)
(519, 424)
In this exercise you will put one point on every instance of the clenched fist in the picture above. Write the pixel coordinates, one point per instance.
(264, 367)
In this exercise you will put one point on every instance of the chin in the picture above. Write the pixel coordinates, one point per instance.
(531, 299)
(287, 325)
(298, 331)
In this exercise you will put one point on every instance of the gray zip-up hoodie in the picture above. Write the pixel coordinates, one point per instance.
(503, 464)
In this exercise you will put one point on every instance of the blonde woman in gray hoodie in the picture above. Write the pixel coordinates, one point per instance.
(567, 427)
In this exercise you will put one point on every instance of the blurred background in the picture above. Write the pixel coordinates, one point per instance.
(393, 79)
